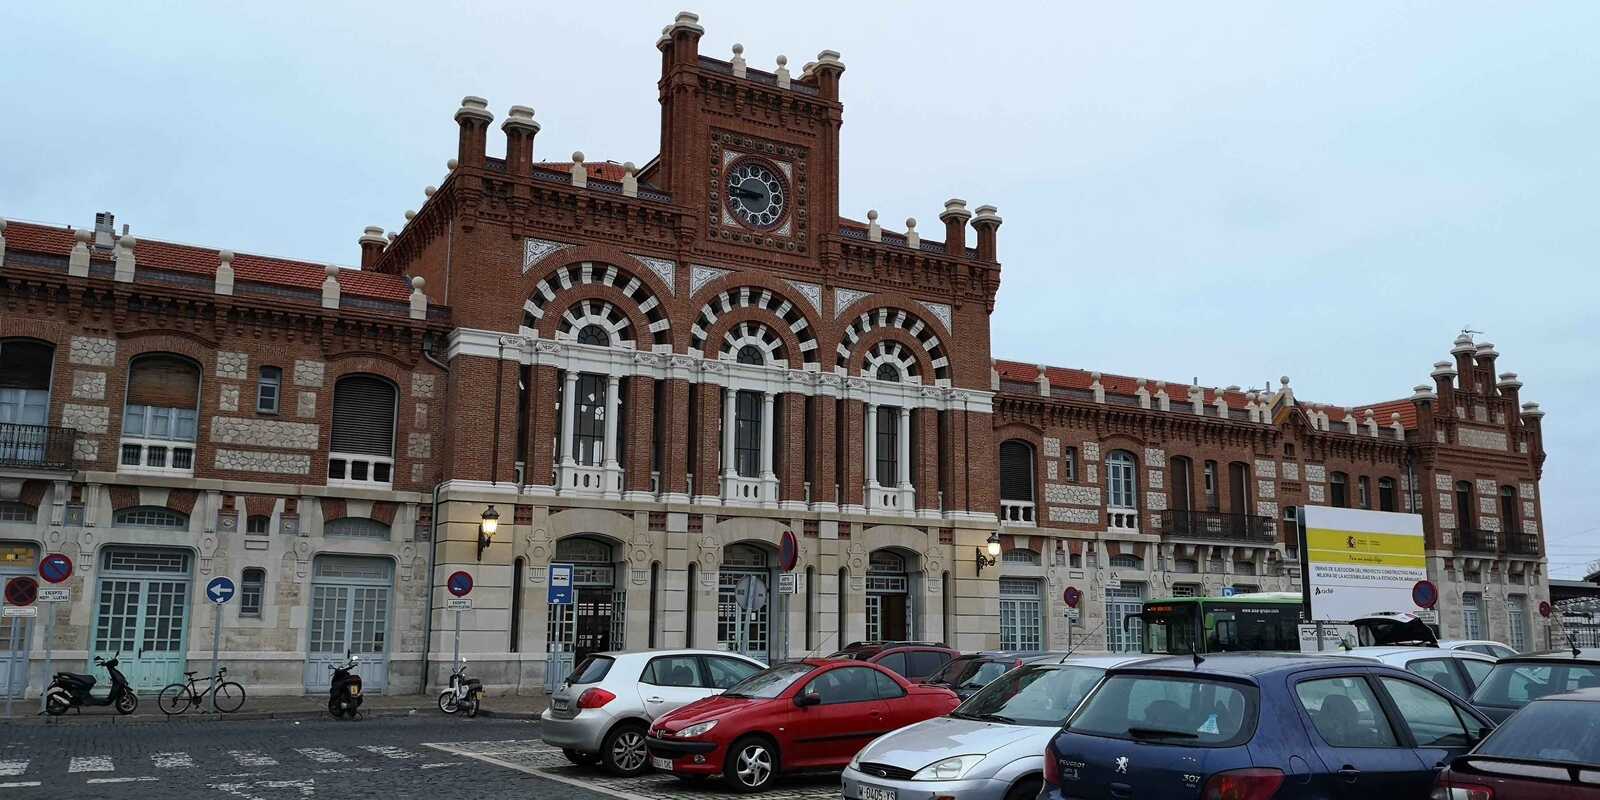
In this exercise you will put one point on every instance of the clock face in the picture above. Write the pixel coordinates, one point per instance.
(755, 194)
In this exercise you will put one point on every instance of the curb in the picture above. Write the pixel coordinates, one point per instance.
(240, 716)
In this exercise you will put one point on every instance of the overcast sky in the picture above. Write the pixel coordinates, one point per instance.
(1233, 192)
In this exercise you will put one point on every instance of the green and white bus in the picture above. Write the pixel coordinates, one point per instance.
(1252, 621)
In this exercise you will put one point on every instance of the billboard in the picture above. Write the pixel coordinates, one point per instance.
(1361, 562)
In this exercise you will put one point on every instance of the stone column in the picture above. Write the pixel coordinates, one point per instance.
(730, 402)
(769, 479)
(872, 448)
(613, 470)
(569, 418)
(903, 458)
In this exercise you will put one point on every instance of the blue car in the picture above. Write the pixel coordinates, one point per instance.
(1253, 726)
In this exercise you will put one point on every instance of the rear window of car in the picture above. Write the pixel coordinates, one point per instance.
(1549, 730)
(957, 670)
(592, 669)
(1169, 709)
(922, 663)
(1513, 685)
(895, 662)
(1036, 695)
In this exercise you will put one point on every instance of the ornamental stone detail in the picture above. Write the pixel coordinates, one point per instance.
(1439, 435)
(1316, 473)
(1291, 470)
(1266, 468)
(419, 445)
(1486, 505)
(700, 275)
(1155, 501)
(306, 405)
(420, 415)
(264, 433)
(1489, 523)
(86, 450)
(1267, 508)
(1091, 473)
(1528, 509)
(1075, 516)
(1091, 451)
(1445, 501)
(1155, 479)
(233, 366)
(1317, 493)
(88, 384)
(228, 398)
(1447, 520)
(1530, 527)
(87, 419)
(92, 351)
(1267, 490)
(1443, 481)
(844, 298)
(1155, 457)
(1485, 487)
(274, 463)
(666, 270)
(308, 373)
(422, 387)
(1052, 447)
(1051, 470)
(536, 250)
(1483, 440)
(940, 312)
(1526, 490)
(1067, 494)
(810, 291)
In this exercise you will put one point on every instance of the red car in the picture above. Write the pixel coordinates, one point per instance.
(794, 717)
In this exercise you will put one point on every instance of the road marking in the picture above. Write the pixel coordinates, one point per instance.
(19, 784)
(347, 770)
(439, 764)
(322, 755)
(90, 764)
(252, 758)
(9, 768)
(172, 760)
(307, 788)
(123, 780)
(534, 771)
(387, 751)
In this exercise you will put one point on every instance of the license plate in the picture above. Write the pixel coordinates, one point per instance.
(876, 793)
(559, 705)
(355, 691)
(665, 764)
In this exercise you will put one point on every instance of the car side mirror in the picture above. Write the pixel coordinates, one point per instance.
(805, 699)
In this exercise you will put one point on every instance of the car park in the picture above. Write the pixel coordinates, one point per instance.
(1484, 646)
(1549, 750)
(1255, 726)
(916, 661)
(1460, 671)
(1519, 680)
(799, 716)
(602, 711)
(990, 748)
(969, 672)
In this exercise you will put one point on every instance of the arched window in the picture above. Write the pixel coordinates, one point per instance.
(1016, 471)
(149, 517)
(24, 393)
(888, 372)
(1339, 490)
(750, 354)
(1020, 555)
(252, 585)
(161, 414)
(356, 527)
(258, 524)
(1386, 495)
(1122, 480)
(361, 450)
(594, 335)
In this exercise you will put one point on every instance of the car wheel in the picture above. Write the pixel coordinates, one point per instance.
(1025, 789)
(623, 751)
(751, 764)
(581, 759)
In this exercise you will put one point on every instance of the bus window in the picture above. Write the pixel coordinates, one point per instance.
(1252, 628)
(1170, 628)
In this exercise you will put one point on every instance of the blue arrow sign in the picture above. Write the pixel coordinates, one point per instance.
(220, 590)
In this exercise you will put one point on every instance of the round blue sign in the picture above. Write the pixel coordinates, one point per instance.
(220, 590)
(1425, 594)
(55, 568)
(459, 583)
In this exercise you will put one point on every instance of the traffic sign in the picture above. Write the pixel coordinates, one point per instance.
(21, 591)
(1072, 597)
(55, 568)
(1425, 594)
(560, 585)
(788, 551)
(1073, 616)
(55, 594)
(20, 611)
(1228, 591)
(220, 590)
(787, 583)
(751, 593)
(459, 583)
(1114, 582)
(457, 603)
(1544, 608)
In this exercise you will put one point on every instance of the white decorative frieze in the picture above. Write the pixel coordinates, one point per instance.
(1266, 468)
(308, 373)
(419, 445)
(1483, 440)
(700, 275)
(86, 419)
(1443, 481)
(88, 385)
(264, 433)
(1291, 470)
(1267, 490)
(274, 463)
(1317, 493)
(1075, 516)
(228, 398)
(1070, 495)
(810, 291)
(666, 270)
(1526, 490)
(844, 298)
(1052, 447)
(940, 312)
(1155, 457)
(1316, 473)
(536, 250)
(91, 351)
(233, 366)
(1155, 501)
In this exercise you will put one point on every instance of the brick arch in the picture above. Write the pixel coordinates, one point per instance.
(788, 352)
(867, 349)
(378, 364)
(565, 316)
(636, 286)
(891, 312)
(780, 303)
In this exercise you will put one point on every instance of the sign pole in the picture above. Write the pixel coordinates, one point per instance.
(49, 654)
(11, 661)
(216, 637)
(457, 656)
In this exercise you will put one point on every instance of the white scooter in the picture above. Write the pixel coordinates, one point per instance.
(463, 694)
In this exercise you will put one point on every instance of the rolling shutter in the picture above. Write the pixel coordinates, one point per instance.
(1016, 471)
(363, 416)
(25, 365)
(164, 382)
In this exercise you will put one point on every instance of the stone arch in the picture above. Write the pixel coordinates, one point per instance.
(855, 347)
(752, 326)
(638, 292)
(591, 522)
(785, 314)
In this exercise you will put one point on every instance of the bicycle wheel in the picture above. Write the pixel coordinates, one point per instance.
(228, 697)
(175, 699)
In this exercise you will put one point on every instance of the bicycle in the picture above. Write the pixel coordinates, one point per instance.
(226, 696)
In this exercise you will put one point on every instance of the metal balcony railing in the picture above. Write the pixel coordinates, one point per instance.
(1214, 525)
(1523, 544)
(1473, 541)
(36, 446)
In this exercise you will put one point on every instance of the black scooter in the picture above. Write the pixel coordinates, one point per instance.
(344, 694)
(72, 690)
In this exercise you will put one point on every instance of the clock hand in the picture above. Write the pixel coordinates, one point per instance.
(740, 191)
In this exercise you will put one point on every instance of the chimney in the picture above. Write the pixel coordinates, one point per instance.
(105, 230)
(827, 70)
(1510, 388)
(681, 39)
(78, 262)
(1444, 380)
(520, 129)
(954, 217)
(224, 281)
(125, 259)
(988, 224)
(1484, 375)
(330, 287)
(1463, 351)
(1423, 398)
(372, 244)
(473, 116)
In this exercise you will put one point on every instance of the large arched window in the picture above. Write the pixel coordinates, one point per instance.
(161, 414)
(752, 355)
(1122, 480)
(888, 372)
(24, 385)
(1016, 482)
(594, 335)
(362, 446)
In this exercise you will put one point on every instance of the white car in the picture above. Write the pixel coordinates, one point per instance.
(1460, 671)
(602, 710)
(1484, 646)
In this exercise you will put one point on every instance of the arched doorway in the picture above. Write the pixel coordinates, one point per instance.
(890, 601)
(751, 634)
(597, 619)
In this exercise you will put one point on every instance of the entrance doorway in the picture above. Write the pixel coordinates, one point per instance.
(889, 600)
(597, 620)
(1021, 614)
(349, 614)
(16, 558)
(739, 561)
(141, 611)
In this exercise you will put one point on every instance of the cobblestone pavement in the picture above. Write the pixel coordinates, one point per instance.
(269, 760)
(533, 757)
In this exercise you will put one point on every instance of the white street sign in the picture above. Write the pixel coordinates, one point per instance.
(20, 611)
(58, 594)
(787, 583)
(1114, 582)
(1073, 615)
(457, 603)
(1333, 637)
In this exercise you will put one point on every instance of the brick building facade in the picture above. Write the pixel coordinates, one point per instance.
(652, 373)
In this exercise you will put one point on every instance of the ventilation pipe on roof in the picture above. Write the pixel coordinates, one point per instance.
(826, 71)
(78, 262)
(105, 230)
(987, 223)
(224, 283)
(954, 217)
(372, 244)
(520, 129)
(473, 117)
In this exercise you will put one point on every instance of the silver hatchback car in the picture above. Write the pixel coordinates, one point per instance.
(990, 748)
(602, 711)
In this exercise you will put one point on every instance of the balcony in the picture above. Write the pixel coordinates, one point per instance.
(1217, 526)
(36, 446)
(1125, 520)
(1471, 541)
(1017, 513)
(1523, 544)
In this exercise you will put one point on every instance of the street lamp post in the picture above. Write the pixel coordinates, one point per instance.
(990, 558)
(486, 529)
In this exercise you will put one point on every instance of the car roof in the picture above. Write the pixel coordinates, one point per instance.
(1452, 644)
(1586, 655)
(630, 654)
(1591, 695)
(1103, 662)
(1383, 651)
(1241, 664)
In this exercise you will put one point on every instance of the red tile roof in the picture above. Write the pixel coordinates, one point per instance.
(28, 237)
(604, 170)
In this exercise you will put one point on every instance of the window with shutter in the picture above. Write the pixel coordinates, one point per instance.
(361, 449)
(160, 419)
(1016, 471)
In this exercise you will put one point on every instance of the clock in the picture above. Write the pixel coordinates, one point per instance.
(756, 195)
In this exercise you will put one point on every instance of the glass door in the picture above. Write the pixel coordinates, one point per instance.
(349, 614)
(1021, 615)
(141, 613)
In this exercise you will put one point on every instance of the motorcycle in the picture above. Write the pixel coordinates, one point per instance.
(464, 693)
(344, 692)
(72, 690)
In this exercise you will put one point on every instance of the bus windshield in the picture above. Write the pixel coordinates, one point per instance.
(1170, 628)
(1184, 626)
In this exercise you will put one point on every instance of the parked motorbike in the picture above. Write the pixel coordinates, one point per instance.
(344, 693)
(463, 694)
(72, 690)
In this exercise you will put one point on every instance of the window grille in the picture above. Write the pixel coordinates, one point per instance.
(356, 527)
(251, 583)
(120, 559)
(149, 517)
(1020, 555)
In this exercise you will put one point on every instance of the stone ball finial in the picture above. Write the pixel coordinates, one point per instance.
(410, 215)
(452, 164)
(872, 215)
(429, 190)
(332, 270)
(738, 49)
(911, 223)
(83, 235)
(2, 224)
(1283, 380)
(628, 167)
(373, 230)
(783, 61)
(225, 255)
(577, 156)
(417, 283)
(128, 240)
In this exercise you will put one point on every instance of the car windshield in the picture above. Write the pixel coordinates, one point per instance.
(1172, 709)
(971, 672)
(769, 683)
(1037, 695)
(591, 670)
(1514, 685)
(1550, 730)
